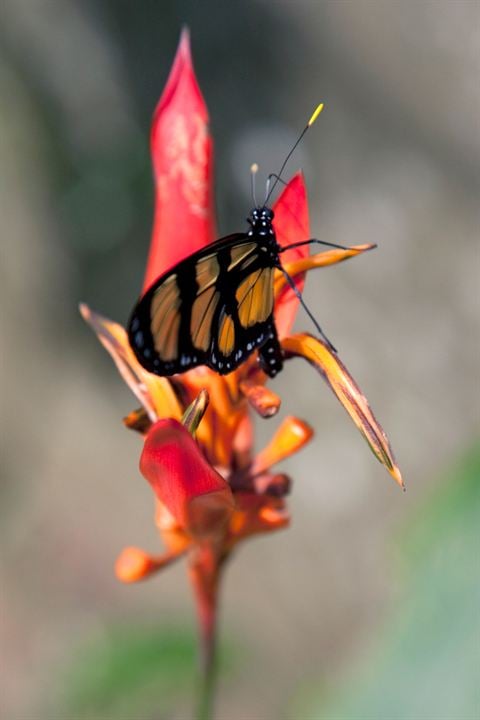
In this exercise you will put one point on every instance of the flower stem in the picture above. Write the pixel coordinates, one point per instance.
(205, 571)
(209, 673)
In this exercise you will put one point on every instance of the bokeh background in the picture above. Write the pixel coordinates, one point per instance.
(367, 608)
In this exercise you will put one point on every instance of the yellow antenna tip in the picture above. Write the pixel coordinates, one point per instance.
(315, 114)
(254, 168)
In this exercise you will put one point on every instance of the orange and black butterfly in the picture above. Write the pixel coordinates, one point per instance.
(215, 308)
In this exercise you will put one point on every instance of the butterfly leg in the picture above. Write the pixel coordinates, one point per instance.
(270, 354)
(297, 292)
(313, 241)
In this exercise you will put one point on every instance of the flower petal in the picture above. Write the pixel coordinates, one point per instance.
(292, 435)
(349, 394)
(274, 485)
(264, 401)
(225, 411)
(195, 411)
(257, 514)
(134, 564)
(138, 420)
(182, 153)
(297, 268)
(155, 393)
(192, 491)
(291, 225)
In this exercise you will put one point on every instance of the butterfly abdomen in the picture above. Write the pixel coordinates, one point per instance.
(270, 354)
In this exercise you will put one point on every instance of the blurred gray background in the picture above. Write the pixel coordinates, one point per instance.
(394, 160)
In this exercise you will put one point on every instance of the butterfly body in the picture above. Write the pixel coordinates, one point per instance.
(214, 308)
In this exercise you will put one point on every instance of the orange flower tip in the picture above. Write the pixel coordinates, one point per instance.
(138, 420)
(364, 248)
(315, 114)
(289, 438)
(133, 564)
(397, 476)
(273, 516)
(265, 402)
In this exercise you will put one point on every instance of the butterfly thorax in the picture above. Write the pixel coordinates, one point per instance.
(260, 221)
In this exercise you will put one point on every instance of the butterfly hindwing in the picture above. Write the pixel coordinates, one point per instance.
(213, 308)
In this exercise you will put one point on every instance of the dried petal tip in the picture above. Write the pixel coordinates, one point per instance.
(347, 391)
(265, 402)
(397, 476)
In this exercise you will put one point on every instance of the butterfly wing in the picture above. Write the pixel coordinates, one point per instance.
(213, 308)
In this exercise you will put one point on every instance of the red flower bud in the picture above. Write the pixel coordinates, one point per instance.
(182, 163)
(183, 480)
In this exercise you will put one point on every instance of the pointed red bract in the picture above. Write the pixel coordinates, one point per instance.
(183, 480)
(291, 225)
(182, 158)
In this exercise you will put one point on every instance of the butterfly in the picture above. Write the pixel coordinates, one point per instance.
(215, 307)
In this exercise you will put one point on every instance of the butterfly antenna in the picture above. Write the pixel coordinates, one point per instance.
(267, 189)
(253, 173)
(278, 176)
(297, 292)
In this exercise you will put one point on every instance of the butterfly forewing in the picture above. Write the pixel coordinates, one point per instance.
(213, 308)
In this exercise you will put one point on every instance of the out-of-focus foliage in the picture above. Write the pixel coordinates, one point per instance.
(426, 664)
(130, 673)
(139, 672)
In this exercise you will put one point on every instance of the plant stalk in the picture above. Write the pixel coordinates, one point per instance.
(205, 571)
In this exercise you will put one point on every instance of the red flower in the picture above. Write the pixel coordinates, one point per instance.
(197, 454)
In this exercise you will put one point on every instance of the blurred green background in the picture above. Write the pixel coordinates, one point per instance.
(368, 607)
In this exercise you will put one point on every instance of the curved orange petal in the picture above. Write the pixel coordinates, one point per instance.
(182, 156)
(263, 400)
(134, 564)
(291, 224)
(154, 393)
(290, 437)
(347, 391)
(297, 268)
